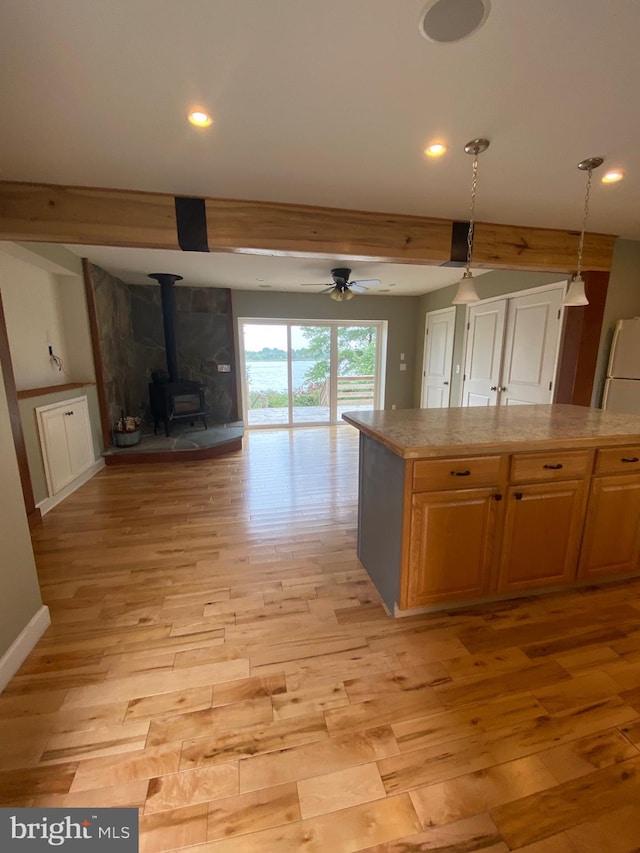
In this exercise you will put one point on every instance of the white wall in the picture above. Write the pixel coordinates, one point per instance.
(32, 312)
(44, 302)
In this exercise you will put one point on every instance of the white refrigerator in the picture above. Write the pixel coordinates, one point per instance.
(622, 385)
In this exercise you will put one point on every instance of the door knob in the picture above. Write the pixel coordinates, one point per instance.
(502, 388)
(493, 388)
(445, 383)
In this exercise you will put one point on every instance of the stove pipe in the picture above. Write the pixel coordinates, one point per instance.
(168, 299)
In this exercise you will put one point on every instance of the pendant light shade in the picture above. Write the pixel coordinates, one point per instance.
(467, 293)
(575, 294)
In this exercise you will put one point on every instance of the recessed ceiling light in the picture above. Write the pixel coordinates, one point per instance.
(447, 21)
(437, 149)
(612, 177)
(198, 118)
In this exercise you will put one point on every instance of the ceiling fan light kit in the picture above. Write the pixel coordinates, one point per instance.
(467, 293)
(575, 294)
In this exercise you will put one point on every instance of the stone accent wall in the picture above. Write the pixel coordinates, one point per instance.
(132, 343)
(113, 308)
(203, 336)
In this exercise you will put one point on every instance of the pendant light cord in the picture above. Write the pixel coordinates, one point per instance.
(474, 185)
(584, 222)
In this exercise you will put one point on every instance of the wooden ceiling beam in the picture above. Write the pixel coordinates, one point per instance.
(109, 217)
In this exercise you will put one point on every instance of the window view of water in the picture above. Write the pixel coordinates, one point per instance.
(272, 375)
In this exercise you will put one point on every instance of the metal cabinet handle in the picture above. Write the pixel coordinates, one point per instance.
(497, 497)
(632, 459)
(445, 383)
(460, 473)
(518, 496)
(554, 467)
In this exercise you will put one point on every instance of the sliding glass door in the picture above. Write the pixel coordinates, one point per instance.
(296, 373)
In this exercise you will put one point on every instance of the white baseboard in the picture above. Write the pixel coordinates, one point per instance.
(16, 654)
(48, 503)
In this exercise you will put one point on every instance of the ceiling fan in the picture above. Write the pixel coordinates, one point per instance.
(342, 288)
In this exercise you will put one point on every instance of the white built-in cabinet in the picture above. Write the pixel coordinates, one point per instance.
(65, 439)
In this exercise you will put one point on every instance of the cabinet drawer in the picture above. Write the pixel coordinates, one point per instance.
(465, 473)
(618, 460)
(542, 467)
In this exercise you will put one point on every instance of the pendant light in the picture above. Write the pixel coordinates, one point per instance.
(576, 295)
(467, 293)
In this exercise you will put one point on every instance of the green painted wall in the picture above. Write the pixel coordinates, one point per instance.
(20, 599)
(400, 312)
(623, 302)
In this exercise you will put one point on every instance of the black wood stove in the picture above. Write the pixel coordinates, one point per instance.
(172, 398)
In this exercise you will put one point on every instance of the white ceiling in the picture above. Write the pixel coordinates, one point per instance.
(327, 102)
(255, 272)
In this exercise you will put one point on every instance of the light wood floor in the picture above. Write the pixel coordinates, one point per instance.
(219, 658)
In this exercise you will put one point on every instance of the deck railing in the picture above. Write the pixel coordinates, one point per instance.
(357, 390)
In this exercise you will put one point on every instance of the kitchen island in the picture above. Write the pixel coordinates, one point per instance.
(468, 504)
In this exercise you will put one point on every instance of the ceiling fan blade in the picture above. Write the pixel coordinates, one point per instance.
(317, 284)
(369, 282)
(357, 287)
(328, 289)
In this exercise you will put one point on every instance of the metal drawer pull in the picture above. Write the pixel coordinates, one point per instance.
(554, 467)
(633, 459)
(460, 473)
(518, 496)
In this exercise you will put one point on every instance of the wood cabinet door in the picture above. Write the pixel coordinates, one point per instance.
(542, 534)
(611, 542)
(451, 545)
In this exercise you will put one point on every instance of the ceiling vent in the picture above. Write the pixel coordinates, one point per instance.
(448, 21)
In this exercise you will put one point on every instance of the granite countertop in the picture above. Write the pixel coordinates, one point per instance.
(417, 433)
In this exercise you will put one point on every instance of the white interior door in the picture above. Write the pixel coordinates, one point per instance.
(485, 335)
(531, 348)
(438, 355)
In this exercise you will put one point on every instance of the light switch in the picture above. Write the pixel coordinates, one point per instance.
(401, 356)
(403, 366)
(224, 368)
(457, 368)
